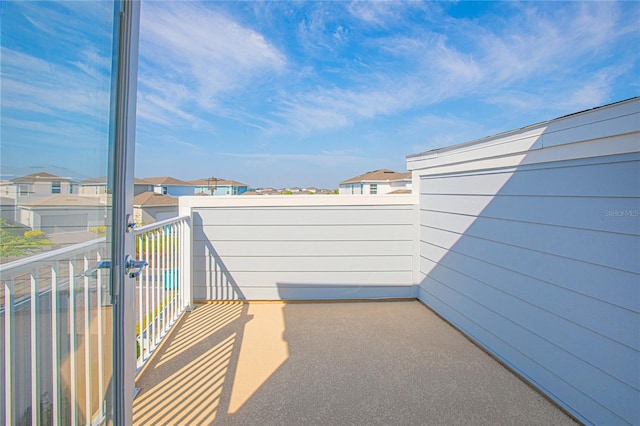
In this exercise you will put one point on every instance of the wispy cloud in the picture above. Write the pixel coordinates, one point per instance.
(534, 51)
(325, 159)
(36, 84)
(190, 55)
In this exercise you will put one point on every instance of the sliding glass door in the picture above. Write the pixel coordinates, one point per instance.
(63, 184)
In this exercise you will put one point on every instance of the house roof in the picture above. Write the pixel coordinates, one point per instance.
(65, 200)
(165, 180)
(95, 181)
(382, 175)
(401, 191)
(40, 177)
(4, 201)
(154, 199)
(216, 182)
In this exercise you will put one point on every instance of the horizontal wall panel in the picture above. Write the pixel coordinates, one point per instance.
(577, 277)
(306, 264)
(601, 248)
(593, 180)
(304, 250)
(313, 278)
(536, 370)
(289, 216)
(308, 293)
(593, 213)
(591, 130)
(598, 386)
(307, 248)
(222, 232)
(612, 357)
(536, 255)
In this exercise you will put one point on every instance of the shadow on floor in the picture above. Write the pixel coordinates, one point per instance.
(329, 363)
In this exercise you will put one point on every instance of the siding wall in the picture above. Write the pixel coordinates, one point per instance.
(530, 244)
(303, 247)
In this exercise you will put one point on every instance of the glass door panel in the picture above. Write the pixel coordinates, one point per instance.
(58, 66)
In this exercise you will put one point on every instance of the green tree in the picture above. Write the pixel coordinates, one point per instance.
(15, 242)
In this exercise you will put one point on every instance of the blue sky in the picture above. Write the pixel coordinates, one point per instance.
(312, 93)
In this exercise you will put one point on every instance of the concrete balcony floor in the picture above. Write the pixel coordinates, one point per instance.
(329, 364)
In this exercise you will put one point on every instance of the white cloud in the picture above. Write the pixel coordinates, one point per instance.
(31, 84)
(191, 54)
(539, 51)
(325, 159)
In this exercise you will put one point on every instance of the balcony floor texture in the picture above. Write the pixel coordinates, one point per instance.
(394, 363)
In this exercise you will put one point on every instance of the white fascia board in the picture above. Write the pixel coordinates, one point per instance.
(619, 122)
(332, 200)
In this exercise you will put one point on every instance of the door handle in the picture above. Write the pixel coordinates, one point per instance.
(93, 272)
(134, 267)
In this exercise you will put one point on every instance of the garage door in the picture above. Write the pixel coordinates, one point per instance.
(66, 223)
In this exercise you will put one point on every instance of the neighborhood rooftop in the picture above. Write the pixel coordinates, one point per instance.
(382, 175)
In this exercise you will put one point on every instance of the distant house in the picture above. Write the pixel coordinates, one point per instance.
(218, 186)
(140, 186)
(62, 213)
(93, 187)
(37, 185)
(168, 185)
(97, 187)
(377, 182)
(266, 191)
(8, 209)
(150, 207)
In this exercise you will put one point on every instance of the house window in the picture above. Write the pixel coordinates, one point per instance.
(70, 188)
(165, 190)
(23, 190)
(55, 187)
(373, 189)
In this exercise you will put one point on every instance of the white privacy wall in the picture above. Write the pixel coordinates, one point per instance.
(303, 247)
(530, 244)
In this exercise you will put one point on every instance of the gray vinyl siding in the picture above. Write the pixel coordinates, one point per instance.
(304, 252)
(545, 273)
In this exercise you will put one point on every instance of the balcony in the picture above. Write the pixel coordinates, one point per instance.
(374, 360)
(406, 309)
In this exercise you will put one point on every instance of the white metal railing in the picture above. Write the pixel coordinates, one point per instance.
(54, 312)
(163, 288)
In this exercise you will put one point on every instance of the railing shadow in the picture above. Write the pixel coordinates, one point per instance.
(190, 378)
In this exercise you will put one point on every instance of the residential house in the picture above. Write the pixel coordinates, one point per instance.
(8, 209)
(168, 185)
(377, 182)
(140, 186)
(150, 207)
(37, 185)
(62, 213)
(218, 186)
(97, 187)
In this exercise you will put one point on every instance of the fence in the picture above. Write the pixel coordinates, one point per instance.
(56, 339)
(163, 287)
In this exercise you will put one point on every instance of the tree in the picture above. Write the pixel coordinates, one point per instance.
(15, 242)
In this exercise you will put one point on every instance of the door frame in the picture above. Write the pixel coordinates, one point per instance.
(123, 287)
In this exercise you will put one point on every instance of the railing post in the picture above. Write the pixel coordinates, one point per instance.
(35, 380)
(187, 258)
(55, 343)
(9, 306)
